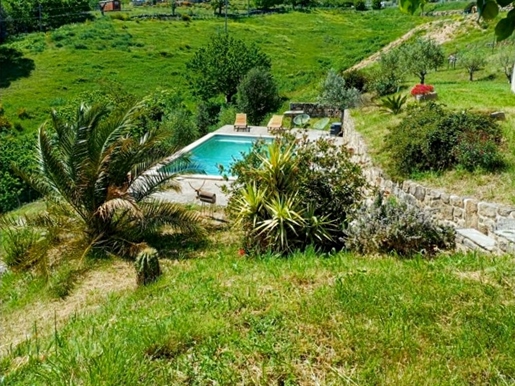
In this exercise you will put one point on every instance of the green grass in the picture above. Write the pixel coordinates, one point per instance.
(332, 319)
(144, 55)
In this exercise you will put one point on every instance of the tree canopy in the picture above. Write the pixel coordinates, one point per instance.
(421, 56)
(258, 95)
(336, 94)
(219, 67)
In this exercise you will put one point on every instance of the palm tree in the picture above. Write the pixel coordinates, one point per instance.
(107, 171)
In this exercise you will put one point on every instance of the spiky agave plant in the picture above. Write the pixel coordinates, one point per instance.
(107, 171)
(147, 266)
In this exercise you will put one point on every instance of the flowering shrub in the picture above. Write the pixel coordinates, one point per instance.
(422, 89)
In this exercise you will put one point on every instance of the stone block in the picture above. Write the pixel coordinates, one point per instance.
(471, 220)
(498, 115)
(447, 212)
(420, 193)
(456, 201)
(445, 198)
(486, 209)
(505, 211)
(470, 205)
(458, 213)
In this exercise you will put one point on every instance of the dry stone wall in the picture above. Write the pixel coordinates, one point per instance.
(492, 220)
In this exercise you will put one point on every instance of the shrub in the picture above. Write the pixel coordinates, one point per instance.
(389, 226)
(376, 4)
(258, 95)
(23, 113)
(5, 124)
(186, 18)
(360, 5)
(385, 85)
(475, 152)
(356, 79)
(147, 266)
(294, 193)
(422, 89)
(432, 138)
(394, 104)
(20, 246)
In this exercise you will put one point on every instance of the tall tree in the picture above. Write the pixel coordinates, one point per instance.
(422, 56)
(257, 94)
(335, 94)
(219, 67)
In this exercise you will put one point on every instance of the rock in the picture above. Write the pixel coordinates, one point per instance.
(3, 269)
(498, 115)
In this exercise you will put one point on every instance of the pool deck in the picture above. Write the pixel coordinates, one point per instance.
(213, 184)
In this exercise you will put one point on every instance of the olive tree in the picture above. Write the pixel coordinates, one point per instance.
(472, 61)
(422, 56)
(336, 94)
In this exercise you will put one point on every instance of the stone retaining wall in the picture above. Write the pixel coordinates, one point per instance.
(314, 109)
(461, 212)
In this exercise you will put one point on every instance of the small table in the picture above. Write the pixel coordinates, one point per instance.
(292, 114)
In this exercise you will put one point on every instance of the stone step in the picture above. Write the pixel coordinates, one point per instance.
(475, 240)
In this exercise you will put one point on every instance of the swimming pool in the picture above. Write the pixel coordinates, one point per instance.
(221, 149)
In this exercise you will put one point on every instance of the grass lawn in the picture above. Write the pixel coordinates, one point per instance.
(218, 318)
(143, 55)
(489, 92)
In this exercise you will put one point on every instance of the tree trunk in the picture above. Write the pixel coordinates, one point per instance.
(471, 75)
(343, 123)
(422, 77)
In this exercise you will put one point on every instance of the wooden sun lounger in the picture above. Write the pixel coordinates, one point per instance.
(275, 123)
(240, 124)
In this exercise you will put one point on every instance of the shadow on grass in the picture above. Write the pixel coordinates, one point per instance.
(179, 246)
(13, 66)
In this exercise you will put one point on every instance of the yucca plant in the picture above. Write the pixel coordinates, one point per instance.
(106, 171)
(394, 104)
(147, 266)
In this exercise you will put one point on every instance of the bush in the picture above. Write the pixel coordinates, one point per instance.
(432, 138)
(394, 104)
(294, 193)
(186, 18)
(14, 191)
(360, 5)
(389, 226)
(422, 89)
(207, 115)
(258, 95)
(474, 152)
(356, 79)
(384, 84)
(20, 246)
(5, 124)
(376, 4)
(23, 114)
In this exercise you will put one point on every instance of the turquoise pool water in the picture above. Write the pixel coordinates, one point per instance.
(221, 150)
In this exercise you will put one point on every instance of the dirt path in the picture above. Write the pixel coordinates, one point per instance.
(441, 31)
(94, 287)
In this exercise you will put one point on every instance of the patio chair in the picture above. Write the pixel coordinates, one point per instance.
(240, 124)
(275, 123)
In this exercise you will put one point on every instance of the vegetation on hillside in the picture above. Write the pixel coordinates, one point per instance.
(332, 319)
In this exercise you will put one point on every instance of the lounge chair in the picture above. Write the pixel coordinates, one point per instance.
(240, 124)
(275, 123)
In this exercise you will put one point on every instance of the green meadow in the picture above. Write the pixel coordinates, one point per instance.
(141, 56)
(219, 318)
